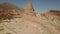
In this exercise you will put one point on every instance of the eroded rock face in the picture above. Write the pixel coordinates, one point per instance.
(54, 12)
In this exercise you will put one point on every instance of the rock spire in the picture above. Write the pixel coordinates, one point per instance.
(30, 10)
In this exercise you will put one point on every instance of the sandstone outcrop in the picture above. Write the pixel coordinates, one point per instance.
(54, 12)
(30, 10)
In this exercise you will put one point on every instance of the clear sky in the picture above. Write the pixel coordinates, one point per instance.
(39, 5)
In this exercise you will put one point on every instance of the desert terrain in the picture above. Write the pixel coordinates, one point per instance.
(15, 20)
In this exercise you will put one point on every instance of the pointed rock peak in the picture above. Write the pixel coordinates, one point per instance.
(30, 10)
(29, 6)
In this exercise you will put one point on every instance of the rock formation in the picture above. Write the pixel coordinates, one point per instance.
(30, 10)
(10, 10)
(54, 12)
(45, 23)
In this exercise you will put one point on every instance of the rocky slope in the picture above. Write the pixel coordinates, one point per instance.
(10, 10)
(49, 24)
(27, 24)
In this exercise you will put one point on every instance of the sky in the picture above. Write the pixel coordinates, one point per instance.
(39, 5)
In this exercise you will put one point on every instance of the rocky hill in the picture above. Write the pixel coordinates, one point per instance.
(49, 24)
(30, 22)
(10, 10)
